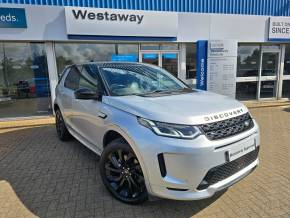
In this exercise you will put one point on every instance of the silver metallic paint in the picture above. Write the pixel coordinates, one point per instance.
(187, 161)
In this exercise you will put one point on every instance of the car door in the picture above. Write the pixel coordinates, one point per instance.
(71, 83)
(88, 119)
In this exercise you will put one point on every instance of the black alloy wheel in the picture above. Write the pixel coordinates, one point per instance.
(62, 132)
(122, 174)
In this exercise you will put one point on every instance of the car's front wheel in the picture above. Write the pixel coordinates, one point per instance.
(62, 132)
(122, 174)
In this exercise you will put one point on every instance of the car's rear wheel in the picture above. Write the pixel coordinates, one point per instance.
(62, 132)
(122, 174)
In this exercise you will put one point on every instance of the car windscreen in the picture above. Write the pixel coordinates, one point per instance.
(140, 80)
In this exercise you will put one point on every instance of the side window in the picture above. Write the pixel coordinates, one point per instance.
(88, 79)
(60, 76)
(72, 80)
(84, 83)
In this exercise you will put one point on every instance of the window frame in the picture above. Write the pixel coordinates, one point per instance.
(67, 75)
(100, 86)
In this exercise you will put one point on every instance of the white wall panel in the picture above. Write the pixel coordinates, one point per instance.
(48, 23)
(241, 27)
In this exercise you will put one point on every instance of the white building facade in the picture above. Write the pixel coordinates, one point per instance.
(243, 56)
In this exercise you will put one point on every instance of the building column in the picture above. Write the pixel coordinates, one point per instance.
(182, 62)
(52, 69)
(281, 72)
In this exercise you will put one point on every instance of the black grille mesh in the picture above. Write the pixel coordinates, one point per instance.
(228, 169)
(226, 128)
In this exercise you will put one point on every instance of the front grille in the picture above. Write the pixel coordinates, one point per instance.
(226, 128)
(228, 169)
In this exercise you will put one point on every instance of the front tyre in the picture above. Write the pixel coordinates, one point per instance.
(62, 132)
(122, 174)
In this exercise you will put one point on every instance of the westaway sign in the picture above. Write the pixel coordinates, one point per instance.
(89, 22)
(12, 18)
(84, 14)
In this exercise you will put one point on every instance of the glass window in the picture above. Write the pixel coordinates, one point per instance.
(248, 60)
(24, 82)
(270, 63)
(127, 49)
(155, 46)
(169, 46)
(89, 79)
(287, 61)
(150, 58)
(190, 61)
(72, 80)
(4, 89)
(246, 90)
(268, 89)
(79, 53)
(286, 89)
(170, 63)
(126, 52)
(85, 83)
(150, 46)
(270, 47)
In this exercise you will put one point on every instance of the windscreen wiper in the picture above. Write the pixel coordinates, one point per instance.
(183, 90)
(157, 91)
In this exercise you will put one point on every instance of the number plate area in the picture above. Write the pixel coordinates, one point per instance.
(241, 149)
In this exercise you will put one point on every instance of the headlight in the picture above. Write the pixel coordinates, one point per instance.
(171, 130)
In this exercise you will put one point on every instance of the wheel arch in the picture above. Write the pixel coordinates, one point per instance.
(55, 107)
(110, 136)
(122, 133)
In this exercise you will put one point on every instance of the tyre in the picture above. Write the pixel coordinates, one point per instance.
(62, 132)
(122, 174)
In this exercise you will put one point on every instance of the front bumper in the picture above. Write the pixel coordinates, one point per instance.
(187, 162)
(206, 193)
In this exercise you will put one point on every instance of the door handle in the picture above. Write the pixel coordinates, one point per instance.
(102, 115)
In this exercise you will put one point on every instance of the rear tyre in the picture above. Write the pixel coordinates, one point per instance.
(62, 132)
(122, 174)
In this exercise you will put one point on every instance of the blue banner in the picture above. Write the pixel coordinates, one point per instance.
(169, 56)
(126, 58)
(12, 18)
(201, 65)
(150, 56)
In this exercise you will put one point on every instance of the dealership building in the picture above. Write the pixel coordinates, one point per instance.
(238, 48)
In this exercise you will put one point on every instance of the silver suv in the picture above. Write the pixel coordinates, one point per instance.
(155, 135)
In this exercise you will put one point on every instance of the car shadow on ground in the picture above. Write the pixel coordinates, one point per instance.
(287, 109)
(53, 178)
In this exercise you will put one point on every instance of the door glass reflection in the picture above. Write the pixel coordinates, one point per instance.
(270, 64)
(170, 63)
(150, 58)
(268, 89)
(246, 90)
(248, 60)
(287, 60)
(24, 82)
(286, 89)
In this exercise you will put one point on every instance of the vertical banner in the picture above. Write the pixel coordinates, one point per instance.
(201, 65)
(222, 67)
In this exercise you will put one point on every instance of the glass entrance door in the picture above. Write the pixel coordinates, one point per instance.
(268, 74)
(166, 60)
(257, 71)
(170, 63)
(150, 58)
